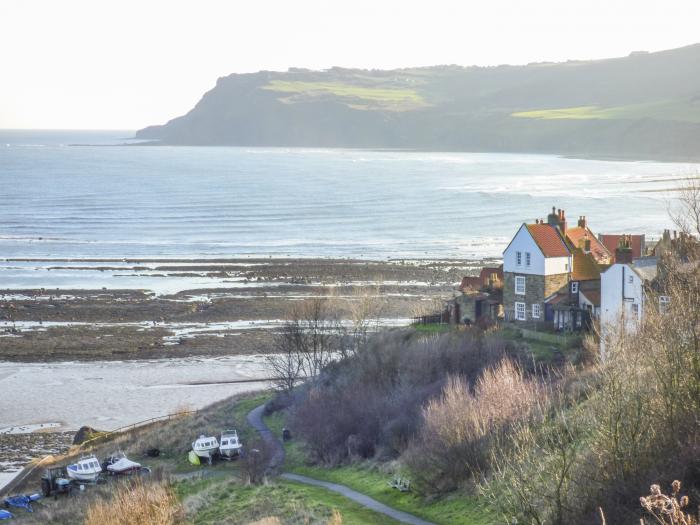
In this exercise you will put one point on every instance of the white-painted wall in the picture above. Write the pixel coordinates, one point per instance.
(617, 297)
(539, 264)
(557, 265)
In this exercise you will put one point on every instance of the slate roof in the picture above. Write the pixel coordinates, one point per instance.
(548, 240)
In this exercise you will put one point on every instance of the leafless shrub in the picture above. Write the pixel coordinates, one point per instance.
(255, 461)
(459, 426)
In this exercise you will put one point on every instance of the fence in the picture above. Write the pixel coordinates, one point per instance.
(103, 436)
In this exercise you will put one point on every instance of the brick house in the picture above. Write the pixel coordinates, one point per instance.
(551, 273)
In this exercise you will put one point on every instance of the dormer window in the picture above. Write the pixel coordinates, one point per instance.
(519, 258)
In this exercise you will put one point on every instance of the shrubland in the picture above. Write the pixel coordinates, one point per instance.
(467, 412)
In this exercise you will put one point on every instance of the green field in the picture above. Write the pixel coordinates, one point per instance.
(390, 98)
(684, 111)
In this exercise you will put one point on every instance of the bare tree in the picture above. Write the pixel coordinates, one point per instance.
(685, 211)
(306, 344)
(365, 309)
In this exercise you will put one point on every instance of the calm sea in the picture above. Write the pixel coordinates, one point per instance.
(105, 200)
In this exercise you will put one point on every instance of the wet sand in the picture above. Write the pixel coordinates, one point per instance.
(233, 309)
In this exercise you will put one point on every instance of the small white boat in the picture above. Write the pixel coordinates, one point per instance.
(118, 463)
(229, 446)
(205, 447)
(86, 469)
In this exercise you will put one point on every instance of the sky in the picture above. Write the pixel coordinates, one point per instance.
(99, 64)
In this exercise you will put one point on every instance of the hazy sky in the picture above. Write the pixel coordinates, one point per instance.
(97, 64)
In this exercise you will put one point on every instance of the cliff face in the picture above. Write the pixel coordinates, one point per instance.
(646, 105)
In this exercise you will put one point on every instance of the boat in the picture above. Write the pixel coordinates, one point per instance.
(206, 447)
(118, 463)
(229, 445)
(87, 468)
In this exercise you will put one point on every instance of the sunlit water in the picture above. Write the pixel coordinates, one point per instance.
(103, 201)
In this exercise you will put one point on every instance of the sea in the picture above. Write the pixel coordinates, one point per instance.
(98, 194)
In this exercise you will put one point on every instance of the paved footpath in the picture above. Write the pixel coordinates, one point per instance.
(255, 419)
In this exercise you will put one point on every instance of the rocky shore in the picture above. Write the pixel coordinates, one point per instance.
(234, 311)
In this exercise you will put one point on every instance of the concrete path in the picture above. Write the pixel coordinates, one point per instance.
(255, 419)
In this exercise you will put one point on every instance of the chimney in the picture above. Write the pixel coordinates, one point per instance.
(582, 221)
(586, 242)
(623, 252)
(553, 218)
(562, 222)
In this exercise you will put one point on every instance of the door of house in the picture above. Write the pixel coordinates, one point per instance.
(478, 305)
(548, 312)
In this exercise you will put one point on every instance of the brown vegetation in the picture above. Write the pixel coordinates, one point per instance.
(136, 504)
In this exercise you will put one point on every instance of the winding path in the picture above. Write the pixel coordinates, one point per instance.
(255, 420)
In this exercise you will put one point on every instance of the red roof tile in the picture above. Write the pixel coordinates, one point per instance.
(548, 240)
(611, 242)
(577, 236)
(592, 295)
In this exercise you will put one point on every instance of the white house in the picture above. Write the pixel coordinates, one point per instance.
(623, 294)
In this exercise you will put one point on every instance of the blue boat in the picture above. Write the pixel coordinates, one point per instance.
(5, 514)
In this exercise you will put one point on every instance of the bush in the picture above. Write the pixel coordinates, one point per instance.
(136, 504)
(459, 426)
(370, 403)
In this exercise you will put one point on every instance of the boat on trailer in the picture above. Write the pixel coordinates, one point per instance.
(86, 468)
(229, 445)
(206, 447)
(118, 463)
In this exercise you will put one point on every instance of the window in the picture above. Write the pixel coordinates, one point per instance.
(664, 301)
(574, 287)
(536, 311)
(520, 285)
(635, 309)
(566, 267)
(519, 258)
(527, 258)
(630, 279)
(520, 311)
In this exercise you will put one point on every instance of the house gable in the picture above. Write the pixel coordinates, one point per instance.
(548, 253)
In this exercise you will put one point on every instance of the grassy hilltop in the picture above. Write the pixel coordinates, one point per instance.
(646, 105)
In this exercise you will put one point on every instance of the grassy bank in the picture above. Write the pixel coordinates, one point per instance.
(372, 479)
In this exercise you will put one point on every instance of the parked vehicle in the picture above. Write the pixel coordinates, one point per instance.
(55, 481)
(206, 447)
(230, 446)
(86, 469)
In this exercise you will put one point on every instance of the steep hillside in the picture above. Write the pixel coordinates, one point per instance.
(646, 105)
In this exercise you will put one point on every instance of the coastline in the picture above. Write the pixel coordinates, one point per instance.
(200, 307)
